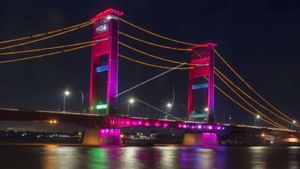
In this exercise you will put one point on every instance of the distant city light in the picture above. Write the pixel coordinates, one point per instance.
(206, 109)
(294, 121)
(53, 121)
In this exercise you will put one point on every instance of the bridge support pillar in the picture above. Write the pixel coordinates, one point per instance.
(200, 139)
(102, 137)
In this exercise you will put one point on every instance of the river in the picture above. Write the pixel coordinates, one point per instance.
(77, 157)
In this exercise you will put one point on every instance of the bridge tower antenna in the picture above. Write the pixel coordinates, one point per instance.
(203, 56)
(104, 59)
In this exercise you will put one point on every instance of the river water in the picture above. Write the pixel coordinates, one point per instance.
(74, 157)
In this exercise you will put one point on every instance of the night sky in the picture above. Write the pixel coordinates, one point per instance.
(259, 38)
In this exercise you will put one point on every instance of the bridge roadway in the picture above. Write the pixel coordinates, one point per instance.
(97, 121)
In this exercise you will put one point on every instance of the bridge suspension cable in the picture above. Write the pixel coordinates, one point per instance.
(146, 81)
(43, 34)
(249, 104)
(47, 48)
(240, 105)
(249, 86)
(267, 119)
(44, 55)
(153, 65)
(153, 44)
(46, 37)
(226, 79)
(153, 56)
(155, 34)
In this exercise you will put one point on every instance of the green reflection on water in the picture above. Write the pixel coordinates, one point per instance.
(98, 158)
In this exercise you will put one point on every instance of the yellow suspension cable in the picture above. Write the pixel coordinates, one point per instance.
(155, 34)
(44, 55)
(248, 85)
(152, 65)
(153, 56)
(44, 38)
(165, 67)
(42, 34)
(240, 105)
(243, 92)
(153, 44)
(44, 49)
(249, 104)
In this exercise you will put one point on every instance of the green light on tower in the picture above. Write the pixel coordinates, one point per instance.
(101, 106)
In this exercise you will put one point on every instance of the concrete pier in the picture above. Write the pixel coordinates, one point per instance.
(102, 137)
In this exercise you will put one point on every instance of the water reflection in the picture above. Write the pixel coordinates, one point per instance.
(63, 157)
(98, 159)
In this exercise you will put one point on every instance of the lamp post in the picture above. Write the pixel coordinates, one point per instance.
(168, 109)
(206, 110)
(66, 94)
(82, 101)
(130, 102)
(257, 117)
(294, 123)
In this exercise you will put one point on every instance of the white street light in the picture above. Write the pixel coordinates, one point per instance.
(206, 109)
(169, 105)
(294, 121)
(257, 117)
(168, 109)
(130, 102)
(66, 94)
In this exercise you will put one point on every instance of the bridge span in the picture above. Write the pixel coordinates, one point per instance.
(103, 130)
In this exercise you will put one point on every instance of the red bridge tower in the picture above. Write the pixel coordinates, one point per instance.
(104, 59)
(202, 56)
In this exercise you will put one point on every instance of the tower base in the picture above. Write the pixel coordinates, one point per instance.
(102, 137)
(202, 139)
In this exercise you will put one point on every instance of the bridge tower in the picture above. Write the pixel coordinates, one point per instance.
(203, 56)
(104, 59)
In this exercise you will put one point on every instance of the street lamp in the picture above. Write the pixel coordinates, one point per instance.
(66, 94)
(168, 109)
(130, 102)
(294, 123)
(257, 117)
(206, 109)
(169, 105)
(82, 101)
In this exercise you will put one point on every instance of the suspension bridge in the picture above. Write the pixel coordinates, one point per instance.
(103, 118)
